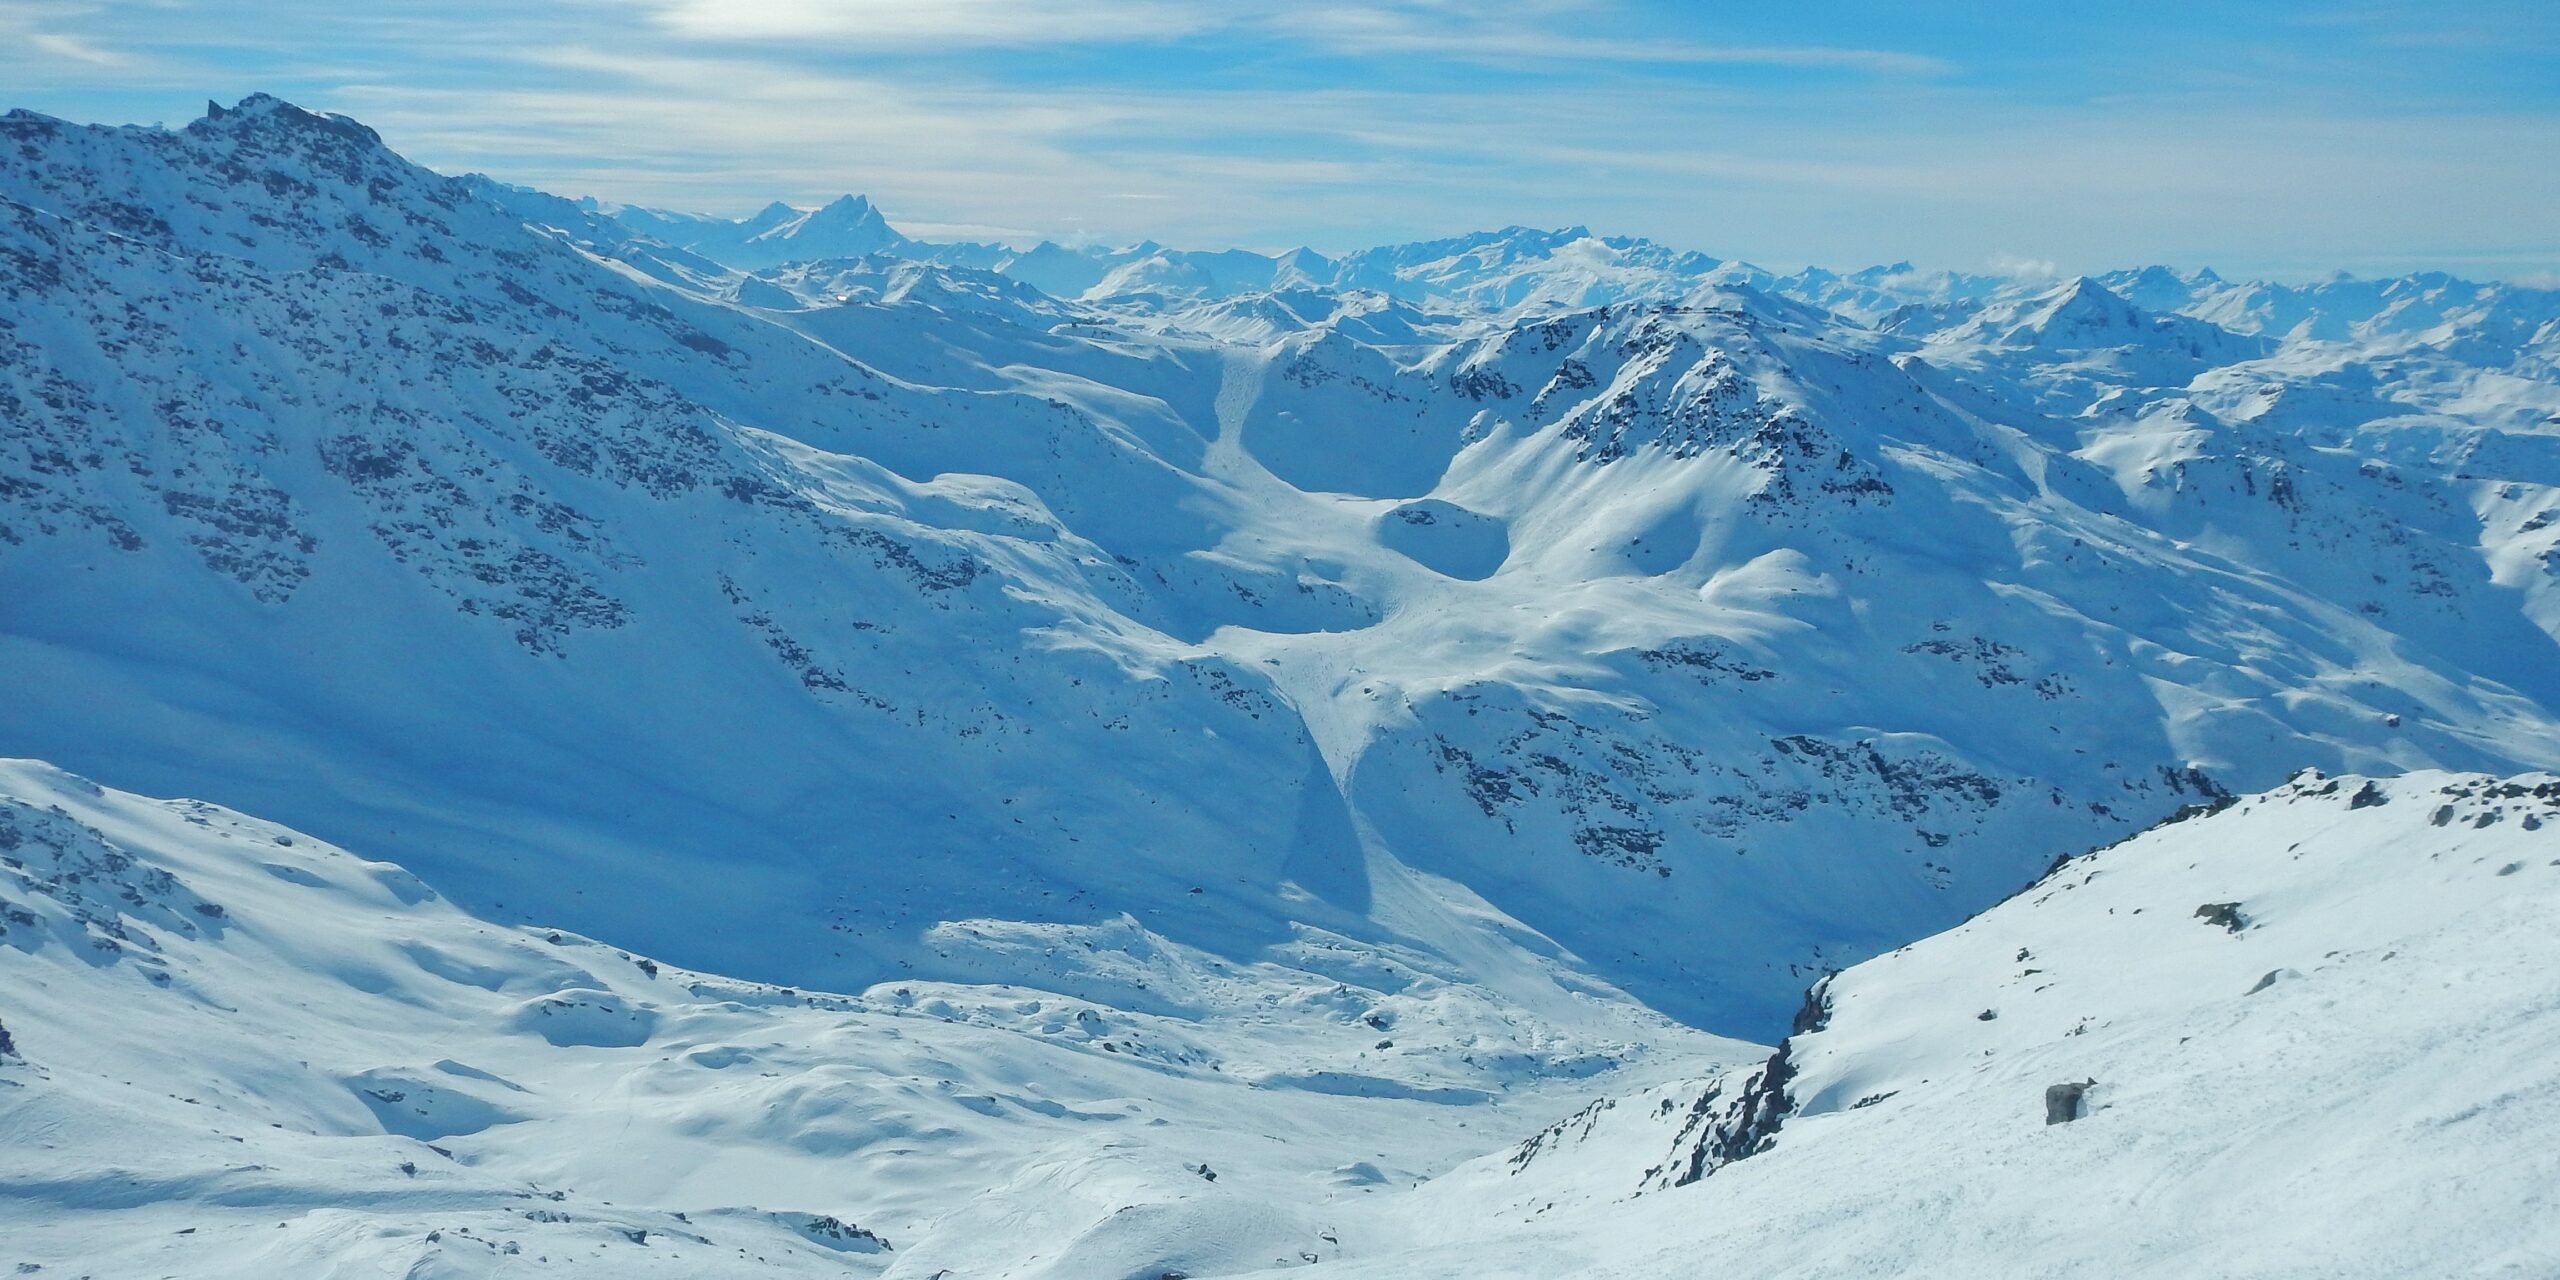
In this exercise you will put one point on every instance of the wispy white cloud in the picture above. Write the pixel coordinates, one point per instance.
(2021, 267)
(46, 33)
(1016, 23)
(1515, 33)
(1525, 35)
(74, 48)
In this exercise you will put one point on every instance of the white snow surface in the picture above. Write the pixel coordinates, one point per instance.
(2359, 1080)
(1392, 695)
(240, 1052)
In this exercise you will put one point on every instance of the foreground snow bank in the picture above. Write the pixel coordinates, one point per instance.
(2311, 1032)
(232, 1050)
(2314, 1032)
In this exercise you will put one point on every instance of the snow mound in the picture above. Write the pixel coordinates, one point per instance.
(1446, 537)
(599, 1019)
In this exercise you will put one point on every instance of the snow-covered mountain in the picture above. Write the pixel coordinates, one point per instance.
(1524, 271)
(1435, 675)
(847, 227)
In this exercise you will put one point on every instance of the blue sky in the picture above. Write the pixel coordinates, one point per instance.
(2265, 138)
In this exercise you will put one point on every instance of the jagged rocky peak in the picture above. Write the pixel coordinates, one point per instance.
(262, 181)
(846, 210)
(846, 222)
(849, 226)
(261, 112)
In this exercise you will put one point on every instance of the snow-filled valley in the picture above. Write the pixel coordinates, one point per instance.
(720, 747)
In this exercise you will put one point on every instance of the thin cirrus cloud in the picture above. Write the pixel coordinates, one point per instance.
(1489, 32)
(857, 23)
(74, 49)
(2280, 138)
(1493, 35)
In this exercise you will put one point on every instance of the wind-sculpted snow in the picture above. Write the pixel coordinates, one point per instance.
(228, 1049)
(1598, 625)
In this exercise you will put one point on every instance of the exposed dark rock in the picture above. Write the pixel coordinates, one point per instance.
(2066, 1102)
(2226, 914)
(1742, 1128)
(836, 1233)
(1815, 1014)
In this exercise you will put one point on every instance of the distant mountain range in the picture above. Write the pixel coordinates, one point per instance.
(1525, 267)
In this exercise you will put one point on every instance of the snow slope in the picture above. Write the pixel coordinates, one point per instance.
(2317, 1031)
(237, 1051)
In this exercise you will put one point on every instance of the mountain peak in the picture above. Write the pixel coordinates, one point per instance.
(256, 104)
(770, 216)
(2085, 301)
(849, 213)
(267, 111)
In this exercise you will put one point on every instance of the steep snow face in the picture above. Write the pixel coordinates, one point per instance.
(2310, 1032)
(230, 1050)
(900, 620)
